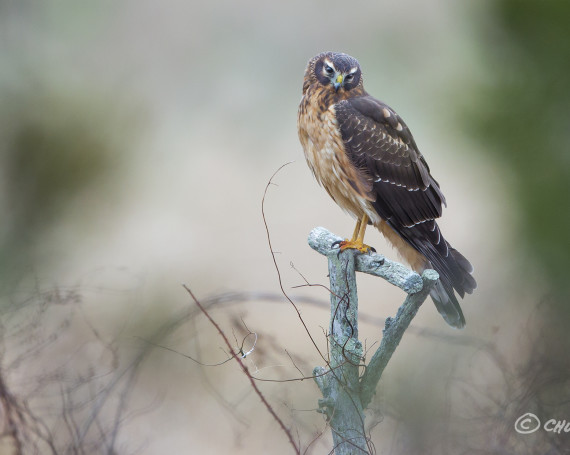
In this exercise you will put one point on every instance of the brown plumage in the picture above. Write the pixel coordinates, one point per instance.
(365, 157)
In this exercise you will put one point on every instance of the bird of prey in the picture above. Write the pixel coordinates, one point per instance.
(364, 155)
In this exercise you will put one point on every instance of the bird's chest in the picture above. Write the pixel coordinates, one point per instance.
(322, 142)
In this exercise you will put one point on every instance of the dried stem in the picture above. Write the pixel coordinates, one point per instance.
(245, 370)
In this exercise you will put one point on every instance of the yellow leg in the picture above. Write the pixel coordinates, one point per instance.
(362, 228)
(357, 241)
(356, 230)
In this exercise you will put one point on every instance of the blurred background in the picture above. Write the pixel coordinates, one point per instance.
(136, 141)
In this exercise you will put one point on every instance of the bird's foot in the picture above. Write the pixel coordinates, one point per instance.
(353, 244)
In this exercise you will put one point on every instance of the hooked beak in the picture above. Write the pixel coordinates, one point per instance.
(338, 82)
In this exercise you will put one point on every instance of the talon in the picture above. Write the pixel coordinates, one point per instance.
(355, 245)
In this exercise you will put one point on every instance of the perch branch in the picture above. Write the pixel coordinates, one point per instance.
(345, 395)
(392, 334)
(339, 385)
(395, 273)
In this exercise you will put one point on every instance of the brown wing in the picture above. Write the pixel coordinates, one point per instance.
(379, 143)
(405, 195)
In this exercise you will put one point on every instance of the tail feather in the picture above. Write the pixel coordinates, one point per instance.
(453, 268)
(467, 283)
(447, 305)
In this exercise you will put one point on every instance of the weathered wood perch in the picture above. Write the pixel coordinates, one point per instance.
(346, 394)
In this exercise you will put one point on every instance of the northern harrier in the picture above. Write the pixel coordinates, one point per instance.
(364, 155)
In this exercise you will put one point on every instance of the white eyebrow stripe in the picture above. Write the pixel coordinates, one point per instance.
(353, 70)
(328, 62)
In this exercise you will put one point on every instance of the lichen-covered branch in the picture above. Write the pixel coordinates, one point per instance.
(345, 395)
(395, 273)
(393, 332)
(340, 385)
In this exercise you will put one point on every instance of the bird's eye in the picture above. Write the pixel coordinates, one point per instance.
(329, 70)
(348, 77)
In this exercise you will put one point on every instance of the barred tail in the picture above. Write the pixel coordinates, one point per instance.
(453, 268)
(454, 276)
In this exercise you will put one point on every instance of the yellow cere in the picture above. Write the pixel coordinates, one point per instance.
(339, 78)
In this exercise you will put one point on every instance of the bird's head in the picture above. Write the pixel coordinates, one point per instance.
(340, 72)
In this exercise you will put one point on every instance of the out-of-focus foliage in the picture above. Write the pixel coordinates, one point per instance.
(523, 119)
(53, 149)
(55, 144)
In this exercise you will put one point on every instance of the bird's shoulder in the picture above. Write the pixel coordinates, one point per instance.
(375, 136)
(366, 113)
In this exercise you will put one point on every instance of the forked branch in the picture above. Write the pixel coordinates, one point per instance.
(345, 394)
